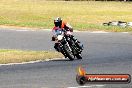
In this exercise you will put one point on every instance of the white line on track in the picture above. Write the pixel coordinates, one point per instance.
(22, 63)
(47, 29)
(74, 31)
(98, 86)
(94, 32)
(124, 32)
(30, 62)
(99, 32)
(21, 30)
(24, 30)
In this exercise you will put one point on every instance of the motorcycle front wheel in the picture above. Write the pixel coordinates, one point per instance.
(68, 52)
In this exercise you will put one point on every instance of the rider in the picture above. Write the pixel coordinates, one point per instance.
(64, 26)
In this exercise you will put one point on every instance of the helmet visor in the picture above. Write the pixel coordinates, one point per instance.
(57, 24)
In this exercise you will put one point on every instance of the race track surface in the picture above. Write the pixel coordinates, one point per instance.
(104, 53)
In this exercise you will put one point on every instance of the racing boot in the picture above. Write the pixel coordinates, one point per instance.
(78, 43)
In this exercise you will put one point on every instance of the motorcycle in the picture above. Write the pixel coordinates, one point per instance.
(67, 46)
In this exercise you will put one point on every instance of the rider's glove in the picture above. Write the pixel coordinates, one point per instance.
(53, 38)
(71, 29)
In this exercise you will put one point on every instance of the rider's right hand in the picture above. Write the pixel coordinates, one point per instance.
(53, 38)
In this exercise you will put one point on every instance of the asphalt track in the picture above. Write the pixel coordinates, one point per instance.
(104, 53)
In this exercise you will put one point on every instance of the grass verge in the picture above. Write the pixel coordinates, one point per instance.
(18, 56)
(83, 15)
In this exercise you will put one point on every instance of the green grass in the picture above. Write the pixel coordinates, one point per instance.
(18, 56)
(83, 15)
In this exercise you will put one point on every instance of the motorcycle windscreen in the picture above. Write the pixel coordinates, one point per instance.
(58, 32)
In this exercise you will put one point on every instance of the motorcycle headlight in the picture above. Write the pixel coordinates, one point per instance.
(59, 37)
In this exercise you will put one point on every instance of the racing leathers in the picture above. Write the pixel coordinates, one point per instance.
(65, 27)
